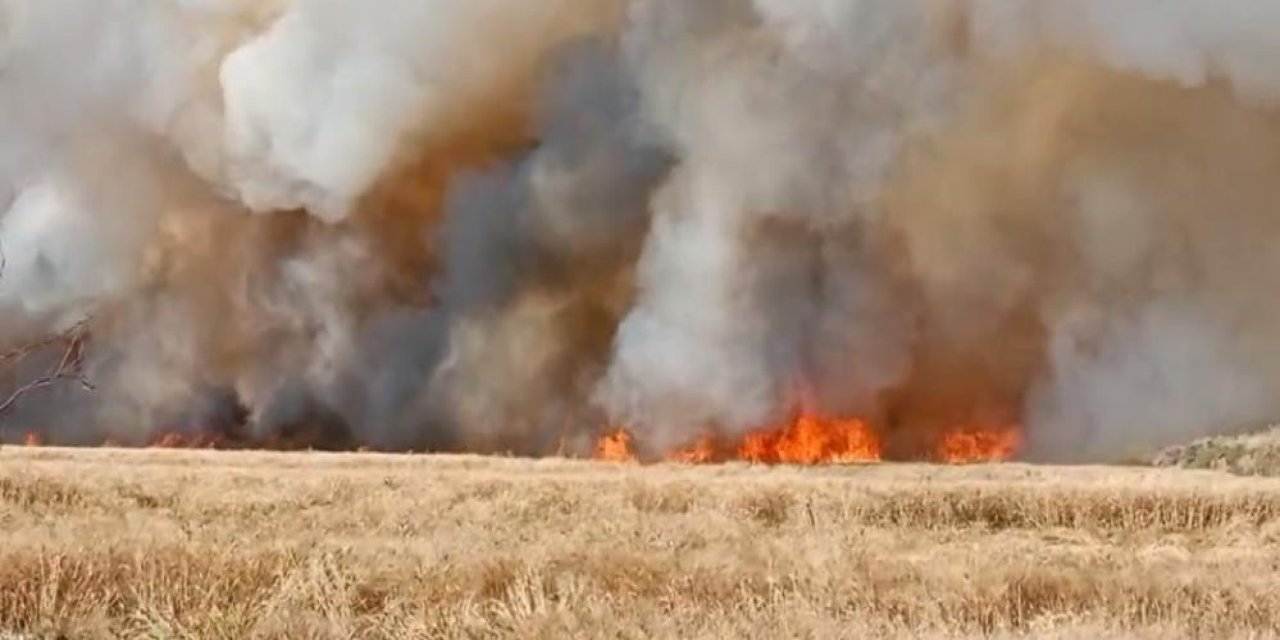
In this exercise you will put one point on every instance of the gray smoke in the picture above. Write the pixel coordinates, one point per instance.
(505, 225)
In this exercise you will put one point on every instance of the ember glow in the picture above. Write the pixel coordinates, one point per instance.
(704, 451)
(175, 440)
(974, 445)
(213, 440)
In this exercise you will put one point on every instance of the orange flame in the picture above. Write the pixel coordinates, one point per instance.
(809, 438)
(813, 439)
(175, 440)
(615, 447)
(32, 439)
(704, 451)
(977, 445)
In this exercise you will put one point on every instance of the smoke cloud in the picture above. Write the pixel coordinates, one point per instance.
(505, 225)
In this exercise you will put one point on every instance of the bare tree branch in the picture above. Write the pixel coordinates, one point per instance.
(70, 366)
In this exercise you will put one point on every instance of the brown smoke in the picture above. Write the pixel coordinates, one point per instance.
(507, 226)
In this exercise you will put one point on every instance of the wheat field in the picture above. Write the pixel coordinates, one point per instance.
(194, 544)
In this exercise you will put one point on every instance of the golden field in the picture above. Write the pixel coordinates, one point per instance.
(194, 544)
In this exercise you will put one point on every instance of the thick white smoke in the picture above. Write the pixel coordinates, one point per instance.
(502, 224)
(320, 104)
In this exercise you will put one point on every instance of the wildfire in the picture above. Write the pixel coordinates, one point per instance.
(615, 447)
(196, 440)
(208, 439)
(975, 445)
(813, 439)
(809, 438)
(704, 451)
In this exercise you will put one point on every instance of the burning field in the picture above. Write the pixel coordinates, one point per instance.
(769, 231)
(774, 299)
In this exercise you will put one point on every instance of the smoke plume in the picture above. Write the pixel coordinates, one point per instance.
(506, 225)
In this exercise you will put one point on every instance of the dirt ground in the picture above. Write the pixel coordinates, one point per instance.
(193, 544)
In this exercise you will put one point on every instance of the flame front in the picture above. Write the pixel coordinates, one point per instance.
(32, 439)
(809, 438)
(813, 439)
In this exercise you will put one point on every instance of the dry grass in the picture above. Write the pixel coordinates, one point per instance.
(245, 545)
